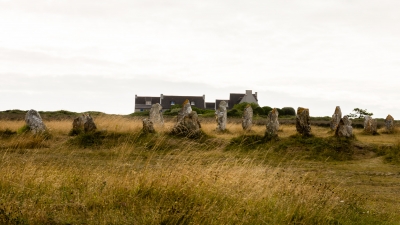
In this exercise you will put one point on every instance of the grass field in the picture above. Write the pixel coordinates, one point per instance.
(118, 175)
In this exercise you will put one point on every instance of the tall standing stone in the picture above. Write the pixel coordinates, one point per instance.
(148, 126)
(370, 125)
(337, 115)
(272, 124)
(186, 110)
(156, 114)
(221, 116)
(389, 123)
(247, 119)
(89, 125)
(344, 128)
(34, 122)
(303, 121)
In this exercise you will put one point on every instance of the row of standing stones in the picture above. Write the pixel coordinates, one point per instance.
(188, 123)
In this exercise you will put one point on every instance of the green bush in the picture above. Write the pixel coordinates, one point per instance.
(234, 113)
(288, 111)
(259, 111)
(266, 109)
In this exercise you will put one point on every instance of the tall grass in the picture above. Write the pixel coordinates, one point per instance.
(119, 175)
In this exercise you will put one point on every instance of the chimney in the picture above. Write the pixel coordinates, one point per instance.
(161, 98)
(249, 92)
(255, 93)
(135, 96)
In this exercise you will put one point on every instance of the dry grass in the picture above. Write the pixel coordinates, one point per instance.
(131, 178)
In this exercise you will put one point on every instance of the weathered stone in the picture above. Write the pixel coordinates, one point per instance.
(344, 128)
(221, 116)
(186, 110)
(89, 124)
(156, 114)
(272, 124)
(247, 119)
(78, 124)
(303, 121)
(34, 122)
(188, 126)
(337, 115)
(370, 125)
(148, 126)
(389, 123)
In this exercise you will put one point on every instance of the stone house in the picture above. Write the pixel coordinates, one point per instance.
(144, 103)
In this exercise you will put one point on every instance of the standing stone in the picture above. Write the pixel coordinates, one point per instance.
(303, 121)
(221, 116)
(148, 126)
(389, 123)
(370, 125)
(156, 114)
(272, 124)
(344, 128)
(34, 122)
(188, 126)
(337, 115)
(186, 110)
(79, 122)
(247, 119)
(89, 125)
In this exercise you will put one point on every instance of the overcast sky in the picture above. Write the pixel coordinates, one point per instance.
(82, 55)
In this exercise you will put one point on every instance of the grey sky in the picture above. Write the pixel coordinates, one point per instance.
(96, 55)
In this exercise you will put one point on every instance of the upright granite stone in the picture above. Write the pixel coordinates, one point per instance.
(148, 126)
(188, 126)
(344, 128)
(389, 124)
(156, 115)
(272, 124)
(89, 125)
(247, 119)
(303, 121)
(337, 115)
(221, 116)
(79, 122)
(186, 110)
(34, 122)
(370, 125)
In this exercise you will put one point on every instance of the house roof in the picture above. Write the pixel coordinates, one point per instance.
(167, 99)
(235, 98)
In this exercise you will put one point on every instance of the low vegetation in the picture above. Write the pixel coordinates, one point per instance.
(119, 175)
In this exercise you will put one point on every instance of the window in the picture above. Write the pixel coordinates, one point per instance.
(141, 110)
(172, 103)
(192, 103)
(148, 102)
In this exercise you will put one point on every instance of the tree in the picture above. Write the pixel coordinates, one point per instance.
(288, 111)
(359, 113)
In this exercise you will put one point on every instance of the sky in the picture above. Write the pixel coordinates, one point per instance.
(82, 55)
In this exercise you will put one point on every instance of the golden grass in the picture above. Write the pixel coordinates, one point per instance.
(160, 179)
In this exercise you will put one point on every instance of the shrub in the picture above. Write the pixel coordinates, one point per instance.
(259, 111)
(234, 113)
(266, 109)
(288, 111)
